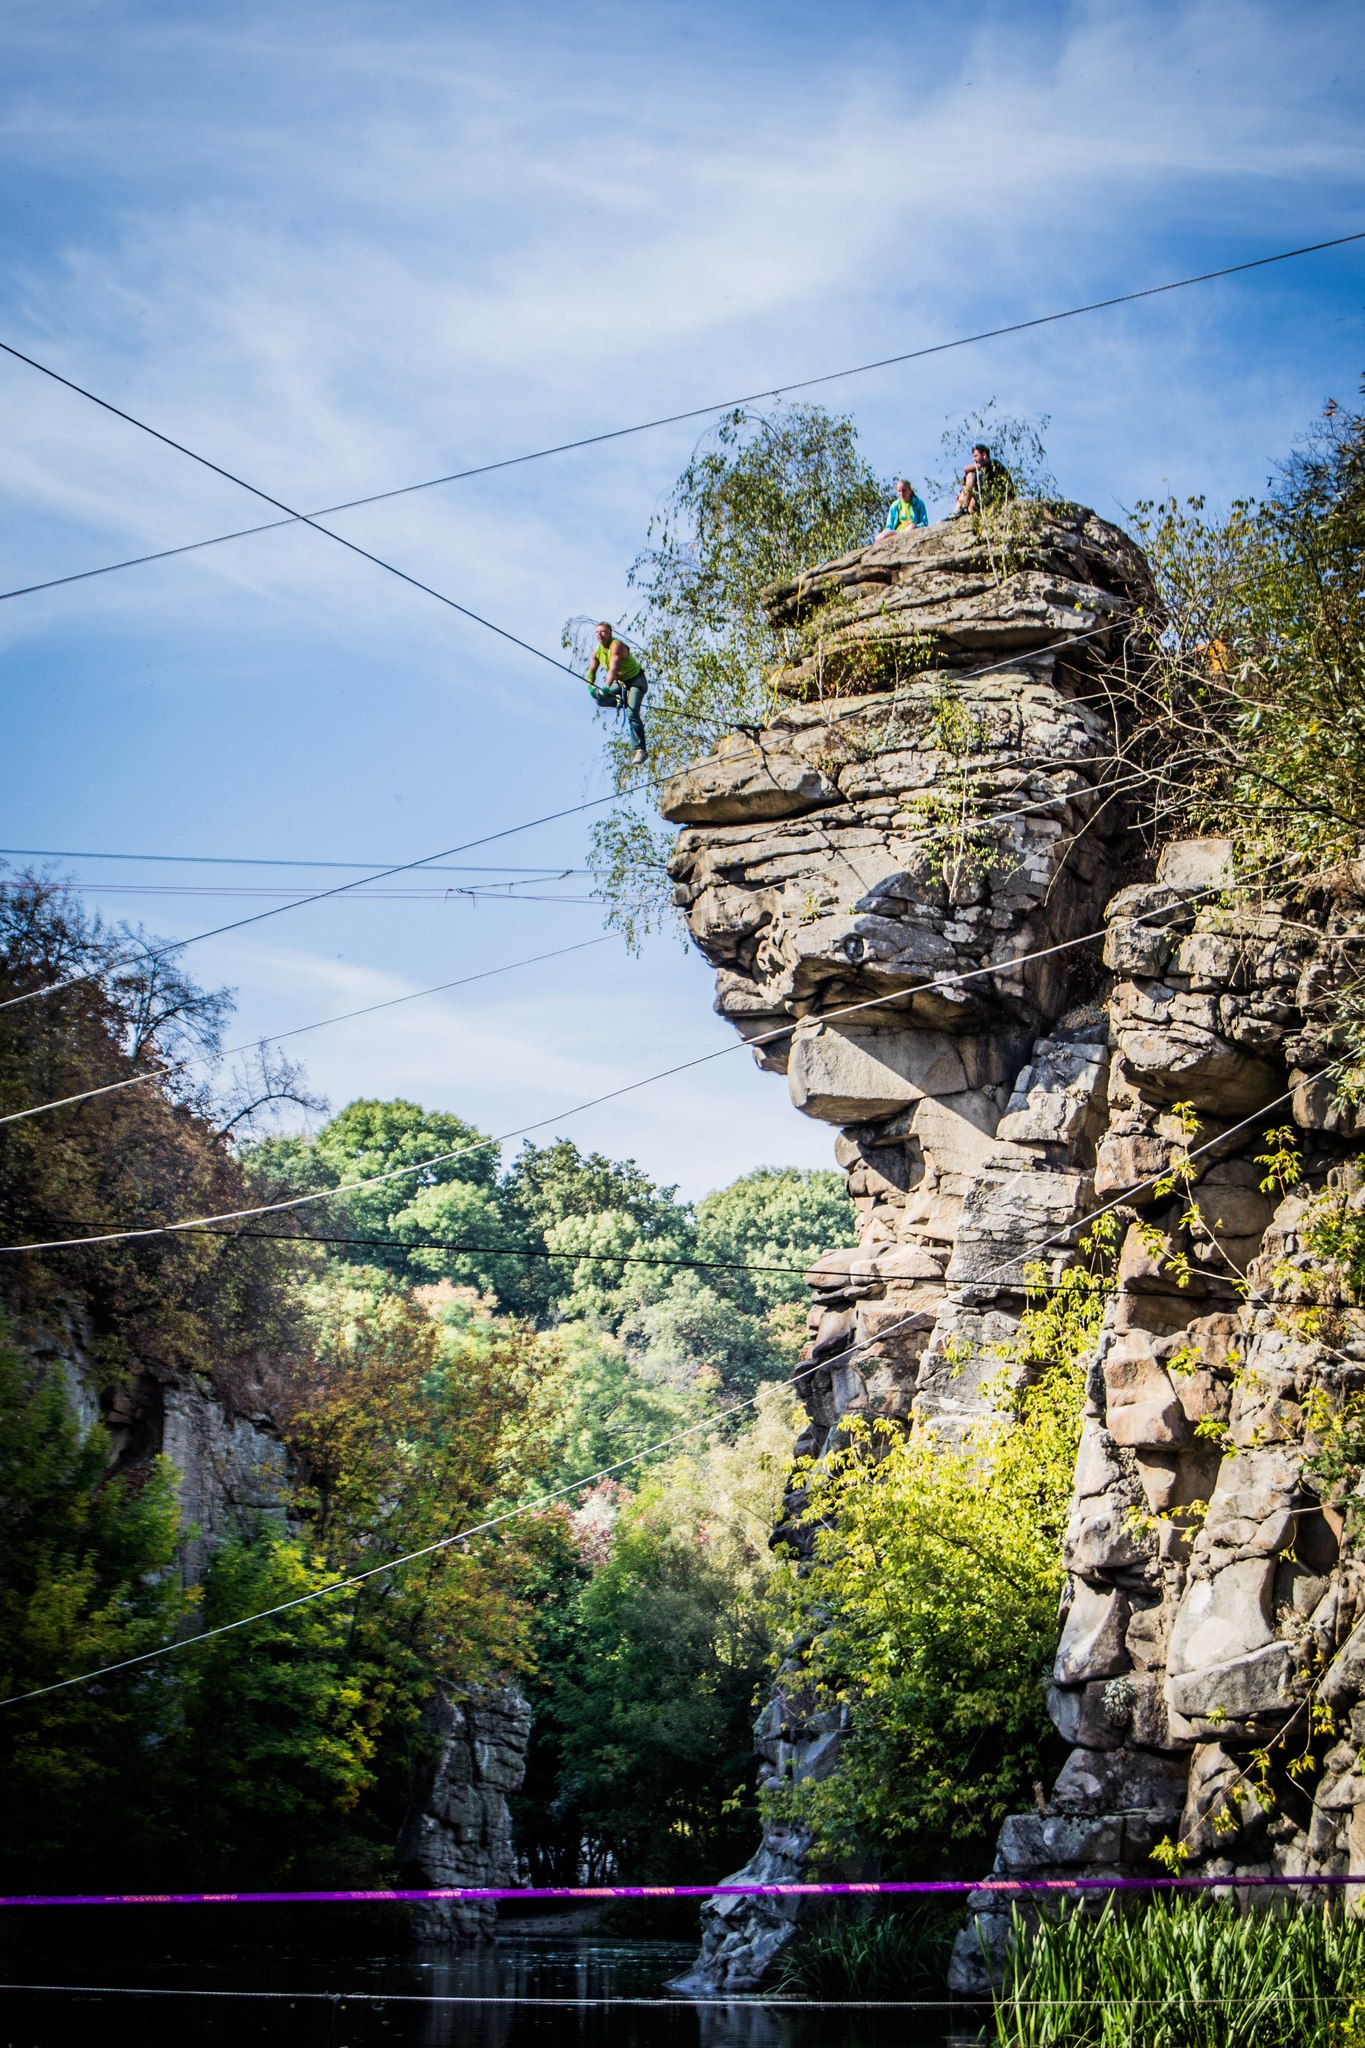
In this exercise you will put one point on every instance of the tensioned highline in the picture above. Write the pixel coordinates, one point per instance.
(1021, 1259)
(374, 1180)
(1108, 789)
(614, 433)
(145, 956)
(298, 1030)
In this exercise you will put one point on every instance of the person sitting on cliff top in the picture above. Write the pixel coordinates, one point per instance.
(623, 684)
(986, 483)
(906, 508)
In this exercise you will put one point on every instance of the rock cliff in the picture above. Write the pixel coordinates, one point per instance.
(933, 827)
(233, 1469)
(458, 1829)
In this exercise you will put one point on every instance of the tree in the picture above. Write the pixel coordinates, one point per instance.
(764, 496)
(928, 1605)
(86, 1579)
(692, 1330)
(778, 1216)
(454, 1198)
(146, 1151)
(648, 1665)
(1250, 704)
(555, 1198)
(275, 1748)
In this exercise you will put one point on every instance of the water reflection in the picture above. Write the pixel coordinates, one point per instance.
(506, 1996)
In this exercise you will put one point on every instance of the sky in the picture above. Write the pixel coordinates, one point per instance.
(341, 249)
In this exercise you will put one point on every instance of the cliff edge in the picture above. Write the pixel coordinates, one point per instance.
(924, 902)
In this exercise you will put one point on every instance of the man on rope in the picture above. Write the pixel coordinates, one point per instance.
(906, 508)
(623, 684)
(986, 483)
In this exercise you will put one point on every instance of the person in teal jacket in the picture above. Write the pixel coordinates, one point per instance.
(906, 509)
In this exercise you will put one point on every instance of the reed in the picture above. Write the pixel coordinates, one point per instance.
(1181, 1973)
(903, 1953)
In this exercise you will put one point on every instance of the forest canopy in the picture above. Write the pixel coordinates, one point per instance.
(453, 1344)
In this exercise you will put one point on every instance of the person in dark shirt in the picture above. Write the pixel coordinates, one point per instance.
(986, 483)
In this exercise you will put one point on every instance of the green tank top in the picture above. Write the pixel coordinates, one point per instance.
(629, 670)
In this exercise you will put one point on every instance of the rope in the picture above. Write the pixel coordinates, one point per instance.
(731, 2000)
(240, 860)
(146, 957)
(511, 1251)
(552, 817)
(303, 518)
(297, 1031)
(613, 434)
(941, 1888)
(614, 1094)
(650, 1450)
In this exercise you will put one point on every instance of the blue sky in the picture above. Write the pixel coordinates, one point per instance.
(342, 248)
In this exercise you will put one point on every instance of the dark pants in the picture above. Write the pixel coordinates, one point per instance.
(627, 697)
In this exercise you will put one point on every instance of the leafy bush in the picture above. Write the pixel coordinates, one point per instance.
(764, 496)
(928, 1606)
(899, 1952)
(1251, 715)
(1180, 1973)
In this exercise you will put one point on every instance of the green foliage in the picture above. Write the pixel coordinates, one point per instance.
(929, 1604)
(276, 1747)
(412, 1429)
(692, 1332)
(174, 1771)
(648, 1664)
(1252, 717)
(133, 1156)
(764, 496)
(550, 1195)
(775, 1216)
(1015, 442)
(606, 1407)
(1180, 1973)
(899, 1952)
(85, 1580)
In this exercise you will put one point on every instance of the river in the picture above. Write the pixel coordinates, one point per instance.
(529, 1990)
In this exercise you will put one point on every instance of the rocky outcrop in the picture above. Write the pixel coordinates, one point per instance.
(458, 1829)
(1211, 1610)
(924, 906)
(230, 1469)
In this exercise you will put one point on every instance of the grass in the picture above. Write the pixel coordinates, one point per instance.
(902, 1953)
(1183, 1973)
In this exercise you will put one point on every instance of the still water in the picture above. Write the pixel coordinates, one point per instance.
(340, 1995)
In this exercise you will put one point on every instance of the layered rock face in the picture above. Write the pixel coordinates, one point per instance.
(923, 840)
(231, 1470)
(1211, 1608)
(458, 1830)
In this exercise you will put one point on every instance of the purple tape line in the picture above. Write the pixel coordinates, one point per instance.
(942, 1887)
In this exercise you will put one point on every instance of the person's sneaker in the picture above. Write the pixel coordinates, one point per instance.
(637, 757)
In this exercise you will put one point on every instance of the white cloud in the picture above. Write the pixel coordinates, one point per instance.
(510, 1061)
(340, 250)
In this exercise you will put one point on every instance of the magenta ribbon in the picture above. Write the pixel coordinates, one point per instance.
(936, 1887)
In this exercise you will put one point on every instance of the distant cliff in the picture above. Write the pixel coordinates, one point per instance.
(912, 830)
